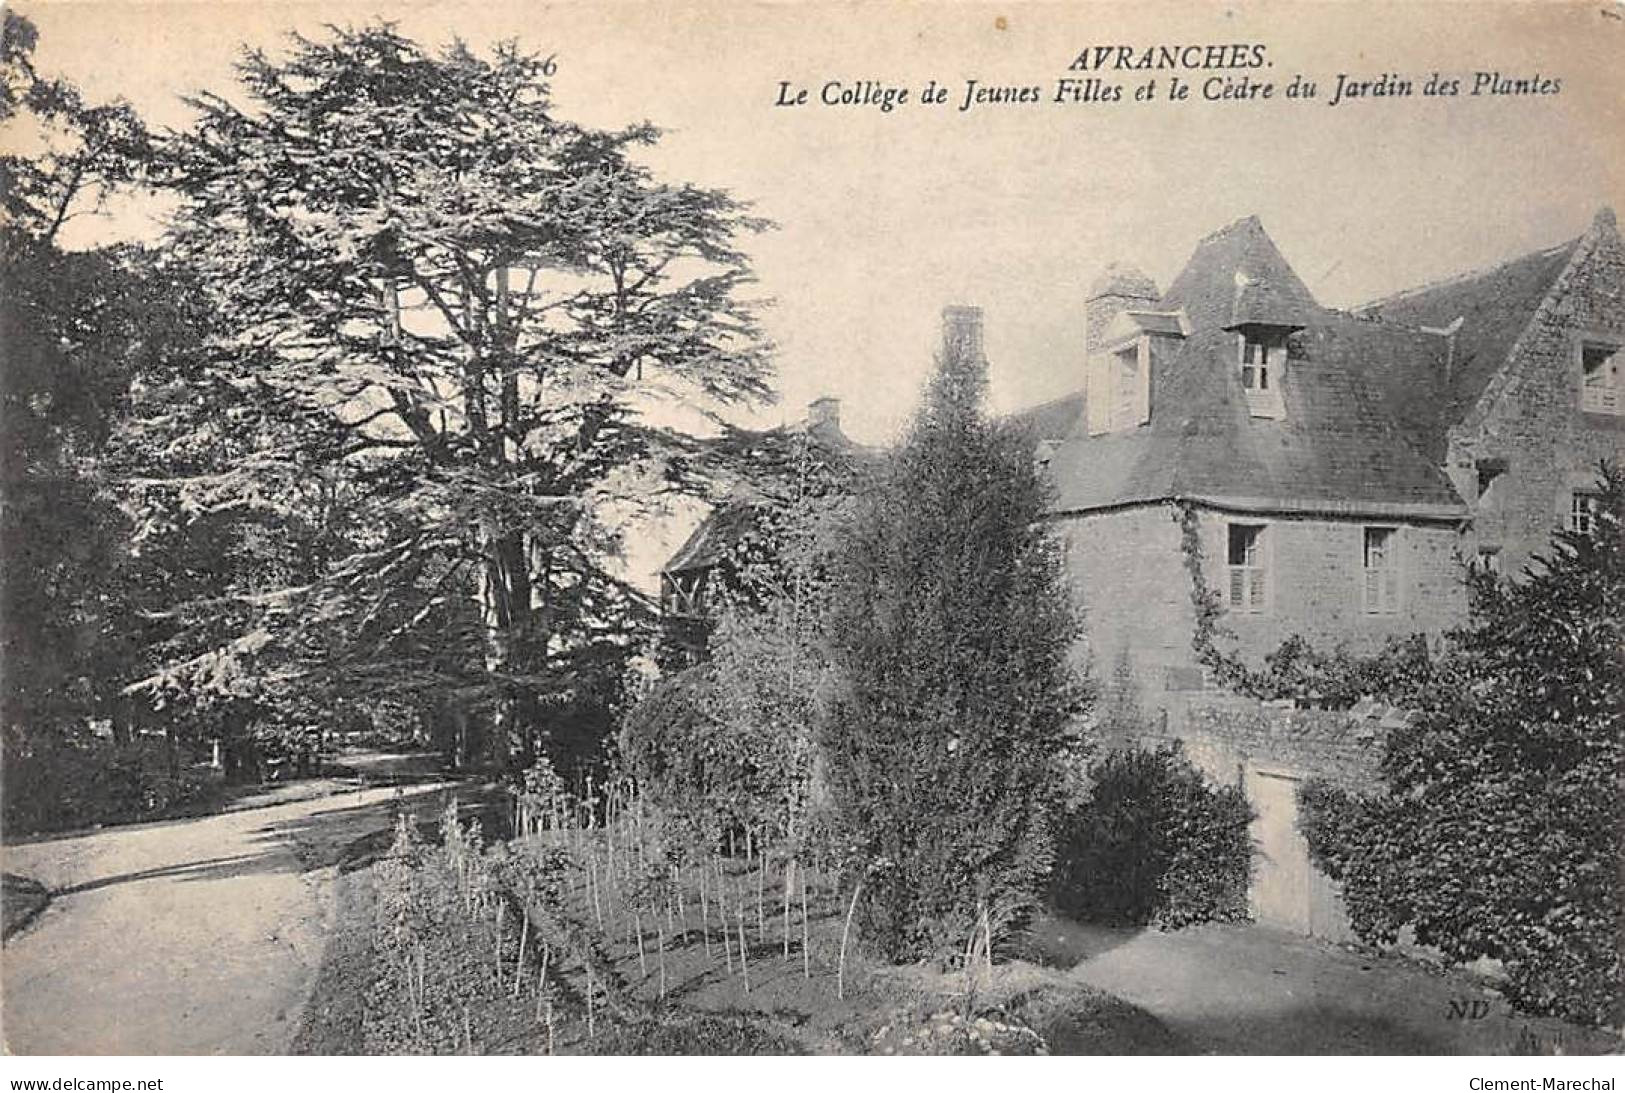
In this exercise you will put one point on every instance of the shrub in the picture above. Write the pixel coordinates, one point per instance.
(56, 781)
(951, 702)
(1154, 843)
(668, 742)
(1499, 831)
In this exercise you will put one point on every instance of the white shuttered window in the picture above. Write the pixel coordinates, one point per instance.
(1381, 571)
(1248, 590)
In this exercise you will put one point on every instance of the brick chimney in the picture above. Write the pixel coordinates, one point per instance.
(1116, 289)
(962, 326)
(824, 413)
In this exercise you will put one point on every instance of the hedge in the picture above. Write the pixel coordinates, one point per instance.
(1154, 842)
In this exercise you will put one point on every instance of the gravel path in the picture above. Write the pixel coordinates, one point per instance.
(191, 937)
(1256, 990)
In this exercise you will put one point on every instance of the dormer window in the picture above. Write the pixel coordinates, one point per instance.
(1600, 391)
(1119, 391)
(1126, 386)
(1263, 365)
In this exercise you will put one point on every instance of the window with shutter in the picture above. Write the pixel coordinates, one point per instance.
(1249, 576)
(1119, 387)
(1263, 363)
(1381, 571)
(1142, 408)
(1601, 386)
(1098, 394)
(1126, 366)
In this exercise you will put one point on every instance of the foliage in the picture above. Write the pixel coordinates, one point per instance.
(55, 781)
(1154, 843)
(86, 151)
(1399, 672)
(1497, 833)
(670, 743)
(728, 744)
(442, 311)
(71, 325)
(704, 772)
(104, 357)
(1353, 839)
(951, 709)
(767, 672)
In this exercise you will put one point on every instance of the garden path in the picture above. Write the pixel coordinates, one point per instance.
(196, 936)
(1261, 991)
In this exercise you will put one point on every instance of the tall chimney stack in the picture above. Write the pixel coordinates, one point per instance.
(962, 329)
(1117, 288)
(824, 413)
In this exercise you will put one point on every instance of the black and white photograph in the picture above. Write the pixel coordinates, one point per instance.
(811, 528)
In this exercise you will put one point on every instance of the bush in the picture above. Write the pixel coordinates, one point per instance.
(1154, 843)
(950, 714)
(56, 781)
(1498, 834)
(670, 744)
(1354, 840)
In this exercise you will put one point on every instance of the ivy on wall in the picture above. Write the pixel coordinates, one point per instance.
(1334, 679)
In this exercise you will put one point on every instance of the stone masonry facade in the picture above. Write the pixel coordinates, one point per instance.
(1131, 581)
(1531, 430)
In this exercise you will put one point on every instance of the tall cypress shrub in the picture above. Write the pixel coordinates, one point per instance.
(951, 723)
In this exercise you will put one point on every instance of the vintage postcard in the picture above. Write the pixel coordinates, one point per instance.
(814, 528)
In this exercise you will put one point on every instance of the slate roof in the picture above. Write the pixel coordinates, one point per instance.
(1053, 420)
(1494, 306)
(1337, 450)
(1406, 369)
(1235, 276)
(710, 542)
(732, 519)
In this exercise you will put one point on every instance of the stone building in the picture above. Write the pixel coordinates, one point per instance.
(1325, 473)
(1525, 396)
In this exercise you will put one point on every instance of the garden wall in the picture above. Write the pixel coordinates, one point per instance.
(1269, 749)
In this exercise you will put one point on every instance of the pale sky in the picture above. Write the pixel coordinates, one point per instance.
(885, 217)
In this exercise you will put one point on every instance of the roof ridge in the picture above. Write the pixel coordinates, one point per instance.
(1056, 401)
(1240, 222)
(1463, 278)
(1371, 318)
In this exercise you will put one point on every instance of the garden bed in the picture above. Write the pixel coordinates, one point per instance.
(426, 957)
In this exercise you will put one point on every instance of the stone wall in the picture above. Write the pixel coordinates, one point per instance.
(1316, 582)
(1269, 750)
(1126, 570)
(1530, 417)
(1226, 735)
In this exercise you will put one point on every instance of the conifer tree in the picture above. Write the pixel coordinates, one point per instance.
(464, 306)
(949, 632)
